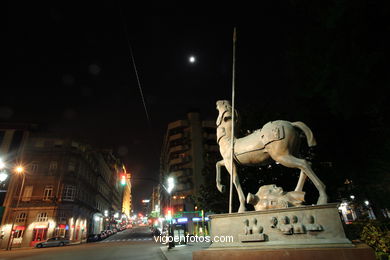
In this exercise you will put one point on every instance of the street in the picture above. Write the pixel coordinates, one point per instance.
(135, 243)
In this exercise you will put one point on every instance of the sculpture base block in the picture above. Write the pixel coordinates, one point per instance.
(296, 227)
(360, 252)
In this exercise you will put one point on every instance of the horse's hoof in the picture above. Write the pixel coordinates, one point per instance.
(241, 209)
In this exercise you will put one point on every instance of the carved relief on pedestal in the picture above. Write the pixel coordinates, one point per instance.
(311, 226)
(274, 222)
(253, 232)
(298, 228)
(285, 226)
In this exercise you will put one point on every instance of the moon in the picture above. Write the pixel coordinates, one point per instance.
(192, 59)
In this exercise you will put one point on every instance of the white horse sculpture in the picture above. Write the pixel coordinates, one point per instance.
(276, 141)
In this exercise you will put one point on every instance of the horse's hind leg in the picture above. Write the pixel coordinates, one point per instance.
(293, 162)
(301, 181)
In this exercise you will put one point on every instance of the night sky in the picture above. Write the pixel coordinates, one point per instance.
(70, 71)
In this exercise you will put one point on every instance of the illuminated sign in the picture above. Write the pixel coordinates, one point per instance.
(182, 220)
(20, 228)
(41, 226)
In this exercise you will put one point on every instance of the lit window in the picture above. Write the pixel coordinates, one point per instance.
(48, 193)
(42, 217)
(18, 233)
(21, 217)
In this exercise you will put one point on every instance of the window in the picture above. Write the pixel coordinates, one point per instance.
(48, 193)
(21, 217)
(58, 143)
(34, 167)
(62, 216)
(69, 193)
(42, 217)
(18, 233)
(27, 193)
(39, 143)
(72, 166)
(53, 167)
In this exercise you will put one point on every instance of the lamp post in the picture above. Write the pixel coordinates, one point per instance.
(171, 185)
(19, 170)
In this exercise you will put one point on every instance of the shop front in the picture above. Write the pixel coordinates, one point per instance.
(39, 234)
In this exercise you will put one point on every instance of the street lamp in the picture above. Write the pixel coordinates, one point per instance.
(19, 170)
(171, 185)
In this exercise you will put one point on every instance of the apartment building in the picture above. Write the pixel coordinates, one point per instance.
(67, 189)
(186, 146)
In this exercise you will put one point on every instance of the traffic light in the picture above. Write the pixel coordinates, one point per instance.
(168, 216)
(123, 179)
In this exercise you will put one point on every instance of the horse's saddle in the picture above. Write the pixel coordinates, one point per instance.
(272, 131)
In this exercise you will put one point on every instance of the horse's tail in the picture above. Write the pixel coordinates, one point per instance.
(311, 141)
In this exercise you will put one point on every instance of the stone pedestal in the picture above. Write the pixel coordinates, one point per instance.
(297, 227)
(360, 252)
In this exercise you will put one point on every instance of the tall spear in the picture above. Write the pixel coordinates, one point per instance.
(232, 138)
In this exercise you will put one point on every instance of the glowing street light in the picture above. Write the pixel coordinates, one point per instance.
(352, 196)
(367, 202)
(19, 169)
(171, 184)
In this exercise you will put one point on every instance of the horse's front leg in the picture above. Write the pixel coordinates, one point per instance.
(218, 165)
(241, 196)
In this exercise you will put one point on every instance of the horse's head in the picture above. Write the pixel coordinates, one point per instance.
(225, 112)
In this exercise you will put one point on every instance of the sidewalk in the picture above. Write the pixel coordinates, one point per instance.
(183, 252)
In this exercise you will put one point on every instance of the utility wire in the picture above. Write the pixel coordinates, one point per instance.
(134, 66)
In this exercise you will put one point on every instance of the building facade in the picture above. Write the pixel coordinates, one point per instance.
(13, 138)
(66, 189)
(186, 147)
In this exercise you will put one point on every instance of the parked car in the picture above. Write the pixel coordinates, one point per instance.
(54, 241)
(103, 235)
(94, 238)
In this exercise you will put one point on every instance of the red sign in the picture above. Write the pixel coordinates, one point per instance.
(20, 228)
(61, 226)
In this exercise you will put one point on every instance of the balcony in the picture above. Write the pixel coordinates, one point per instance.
(178, 124)
(175, 137)
(35, 201)
(177, 174)
(210, 124)
(177, 148)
